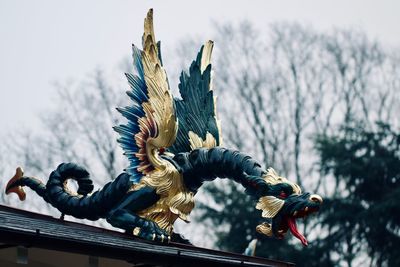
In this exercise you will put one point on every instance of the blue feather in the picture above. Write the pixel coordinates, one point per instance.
(131, 113)
(138, 94)
(137, 60)
(123, 130)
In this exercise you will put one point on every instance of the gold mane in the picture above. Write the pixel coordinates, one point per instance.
(175, 200)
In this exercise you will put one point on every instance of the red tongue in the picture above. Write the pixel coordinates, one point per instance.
(293, 228)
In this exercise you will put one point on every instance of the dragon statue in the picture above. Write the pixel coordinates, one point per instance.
(173, 146)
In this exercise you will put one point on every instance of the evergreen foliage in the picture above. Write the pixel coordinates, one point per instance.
(361, 215)
(365, 215)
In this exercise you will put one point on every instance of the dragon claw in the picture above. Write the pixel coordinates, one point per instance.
(152, 232)
(136, 231)
(156, 237)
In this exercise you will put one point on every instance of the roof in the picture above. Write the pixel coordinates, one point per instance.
(23, 228)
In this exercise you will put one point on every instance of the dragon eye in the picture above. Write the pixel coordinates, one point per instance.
(283, 195)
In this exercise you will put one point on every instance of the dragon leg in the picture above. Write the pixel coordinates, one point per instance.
(124, 216)
(138, 226)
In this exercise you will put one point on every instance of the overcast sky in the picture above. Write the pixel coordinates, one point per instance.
(46, 41)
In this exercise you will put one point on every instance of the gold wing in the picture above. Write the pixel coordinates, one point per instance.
(160, 107)
(152, 128)
(152, 125)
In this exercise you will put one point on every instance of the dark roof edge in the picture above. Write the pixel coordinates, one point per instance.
(21, 227)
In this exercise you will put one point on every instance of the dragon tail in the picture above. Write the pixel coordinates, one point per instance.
(80, 204)
(15, 185)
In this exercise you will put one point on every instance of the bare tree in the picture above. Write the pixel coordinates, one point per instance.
(78, 129)
(278, 92)
(293, 83)
(251, 96)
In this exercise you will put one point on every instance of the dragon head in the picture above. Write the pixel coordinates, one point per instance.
(282, 203)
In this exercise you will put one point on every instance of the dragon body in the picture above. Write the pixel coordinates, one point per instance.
(173, 146)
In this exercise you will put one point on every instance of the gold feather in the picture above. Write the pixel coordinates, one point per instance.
(272, 178)
(270, 206)
(197, 142)
(160, 126)
(160, 106)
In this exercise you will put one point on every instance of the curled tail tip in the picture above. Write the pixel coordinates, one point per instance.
(11, 186)
(73, 170)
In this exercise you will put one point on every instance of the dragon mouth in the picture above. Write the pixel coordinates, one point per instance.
(295, 207)
(289, 223)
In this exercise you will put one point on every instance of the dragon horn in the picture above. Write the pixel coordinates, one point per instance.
(12, 188)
